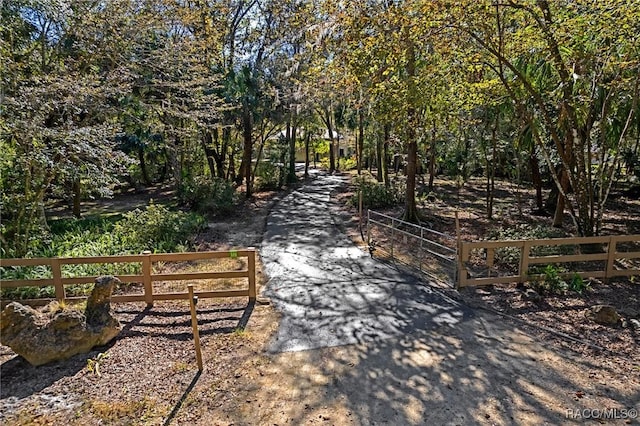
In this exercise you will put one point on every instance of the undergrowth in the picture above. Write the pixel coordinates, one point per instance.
(210, 196)
(511, 255)
(156, 228)
(551, 281)
(377, 195)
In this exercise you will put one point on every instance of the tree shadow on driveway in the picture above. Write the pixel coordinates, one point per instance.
(362, 342)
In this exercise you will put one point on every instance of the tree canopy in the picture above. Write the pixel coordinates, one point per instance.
(97, 95)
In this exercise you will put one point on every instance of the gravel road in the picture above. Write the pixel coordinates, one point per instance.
(363, 343)
(331, 292)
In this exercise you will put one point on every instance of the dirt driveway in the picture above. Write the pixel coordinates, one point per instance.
(360, 342)
(345, 340)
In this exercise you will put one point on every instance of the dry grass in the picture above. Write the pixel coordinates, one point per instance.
(124, 412)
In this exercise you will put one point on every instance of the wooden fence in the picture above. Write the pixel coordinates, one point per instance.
(524, 253)
(146, 277)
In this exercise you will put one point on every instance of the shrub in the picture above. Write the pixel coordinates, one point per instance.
(376, 194)
(347, 163)
(551, 282)
(578, 284)
(267, 176)
(208, 195)
(155, 228)
(511, 255)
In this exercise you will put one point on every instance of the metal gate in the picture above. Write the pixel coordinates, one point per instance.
(431, 252)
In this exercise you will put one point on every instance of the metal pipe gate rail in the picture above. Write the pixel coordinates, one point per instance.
(432, 244)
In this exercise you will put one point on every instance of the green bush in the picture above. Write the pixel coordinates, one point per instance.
(155, 228)
(511, 255)
(377, 195)
(551, 282)
(347, 163)
(208, 195)
(578, 284)
(267, 176)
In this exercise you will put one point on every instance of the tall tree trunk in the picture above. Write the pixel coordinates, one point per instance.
(281, 167)
(231, 171)
(379, 159)
(410, 208)
(332, 151)
(258, 159)
(247, 130)
(165, 166)
(491, 169)
(314, 158)
(360, 144)
(221, 155)
(337, 150)
(432, 156)
(291, 175)
(307, 141)
(536, 177)
(207, 142)
(143, 167)
(558, 216)
(385, 155)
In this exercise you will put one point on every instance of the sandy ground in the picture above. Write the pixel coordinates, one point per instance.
(482, 369)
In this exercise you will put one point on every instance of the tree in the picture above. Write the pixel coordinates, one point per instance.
(586, 111)
(390, 49)
(58, 109)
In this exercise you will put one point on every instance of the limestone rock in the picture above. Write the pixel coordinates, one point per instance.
(603, 314)
(57, 334)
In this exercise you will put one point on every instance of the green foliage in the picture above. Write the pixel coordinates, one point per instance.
(551, 282)
(376, 194)
(267, 176)
(511, 255)
(214, 196)
(155, 228)
(347, 163)
(578, 284)
(525, 232)
(324, 162)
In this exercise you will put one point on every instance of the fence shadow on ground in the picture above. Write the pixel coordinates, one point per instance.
(18, 379)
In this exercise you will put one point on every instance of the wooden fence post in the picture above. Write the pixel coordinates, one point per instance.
(194, 325)
(146, 273)
(251, 270)
(56, 270)
(611, 258)
(463, 254)
(524, 261)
